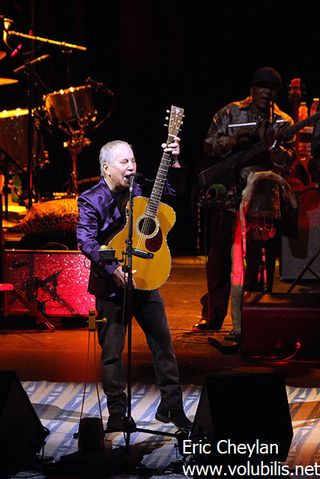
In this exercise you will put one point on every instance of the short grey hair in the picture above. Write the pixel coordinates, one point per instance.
(107, 153)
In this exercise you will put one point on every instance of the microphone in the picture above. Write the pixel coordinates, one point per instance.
(32, 62)
(131, 181)
(100, 86)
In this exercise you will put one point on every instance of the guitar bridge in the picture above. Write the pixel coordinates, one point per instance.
(142, 254)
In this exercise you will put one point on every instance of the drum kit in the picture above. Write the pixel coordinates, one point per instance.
(72, 110)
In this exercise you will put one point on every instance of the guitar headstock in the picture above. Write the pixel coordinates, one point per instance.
(175, 120)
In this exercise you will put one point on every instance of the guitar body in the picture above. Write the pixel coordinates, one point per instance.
(151, 255)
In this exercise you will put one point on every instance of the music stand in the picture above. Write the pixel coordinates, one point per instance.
(306, 268)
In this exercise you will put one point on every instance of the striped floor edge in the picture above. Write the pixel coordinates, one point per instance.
(58, 406)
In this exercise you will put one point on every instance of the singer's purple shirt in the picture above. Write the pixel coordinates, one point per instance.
(99, 219)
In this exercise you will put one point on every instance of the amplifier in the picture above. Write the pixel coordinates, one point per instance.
(296, 253)
(55, 282)
(280, 325)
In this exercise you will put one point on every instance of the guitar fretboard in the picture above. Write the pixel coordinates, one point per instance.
(157, 190)
(239, 159)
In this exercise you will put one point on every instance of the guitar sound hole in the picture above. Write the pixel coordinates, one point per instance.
(147, 226)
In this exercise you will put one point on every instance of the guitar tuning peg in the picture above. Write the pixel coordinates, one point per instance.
(167, 111)
(165, 124)
(166, 118)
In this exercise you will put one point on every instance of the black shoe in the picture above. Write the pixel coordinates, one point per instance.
(116, 422)
(225, 348)
(176, 416)
(233, 336)
(202, 326)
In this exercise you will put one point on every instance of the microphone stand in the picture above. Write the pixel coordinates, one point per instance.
(127, 313)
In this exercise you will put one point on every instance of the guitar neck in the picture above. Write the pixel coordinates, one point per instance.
(291, 130)
(223, 167)
(239, 159)
(157, 190)
(175, 121)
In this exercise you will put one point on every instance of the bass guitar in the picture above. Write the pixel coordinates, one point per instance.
(152, 220)
(223, 167)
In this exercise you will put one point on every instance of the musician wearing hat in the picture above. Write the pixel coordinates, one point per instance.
(243, 138)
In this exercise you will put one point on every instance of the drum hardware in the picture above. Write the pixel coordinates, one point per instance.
(7, 32)
(99, 86)
(7, 81)
(73, 111)
(14, 144)
(75, 145)
(31, 62)
(4, 160)
(74, 129)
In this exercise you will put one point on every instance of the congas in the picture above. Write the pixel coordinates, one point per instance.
(14, 132)
(265, 200)
(73, 105)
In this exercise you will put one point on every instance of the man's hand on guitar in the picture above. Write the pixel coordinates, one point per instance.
(121, 278)
(266, 134)
(174, 149)
(243, 137)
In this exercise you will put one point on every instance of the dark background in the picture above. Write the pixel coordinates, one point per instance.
(153, 54)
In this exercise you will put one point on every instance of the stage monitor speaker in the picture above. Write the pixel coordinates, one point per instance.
(296, 253)
(55, 282)
(236, 410)
(22, 434)
(279, 326)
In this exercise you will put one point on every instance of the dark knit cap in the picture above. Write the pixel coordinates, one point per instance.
(267, 77)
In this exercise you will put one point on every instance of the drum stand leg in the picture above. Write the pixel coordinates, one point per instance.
(76, 143)
(74, 173)
(264, 269)
(6, 188)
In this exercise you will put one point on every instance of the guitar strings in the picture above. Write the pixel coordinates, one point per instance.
(208, 176)
(220, 168)
(158, 185)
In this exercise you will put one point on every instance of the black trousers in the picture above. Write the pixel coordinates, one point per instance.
(148, 309)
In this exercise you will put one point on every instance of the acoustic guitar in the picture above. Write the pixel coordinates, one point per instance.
(237, 160)
(152, 220)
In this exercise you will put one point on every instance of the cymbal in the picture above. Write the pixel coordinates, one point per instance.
(2, 54)
(7, 81)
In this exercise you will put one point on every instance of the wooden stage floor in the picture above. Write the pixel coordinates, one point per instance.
(62, 355)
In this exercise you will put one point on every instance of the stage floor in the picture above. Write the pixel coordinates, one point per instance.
(49, 364)
(62, 355)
